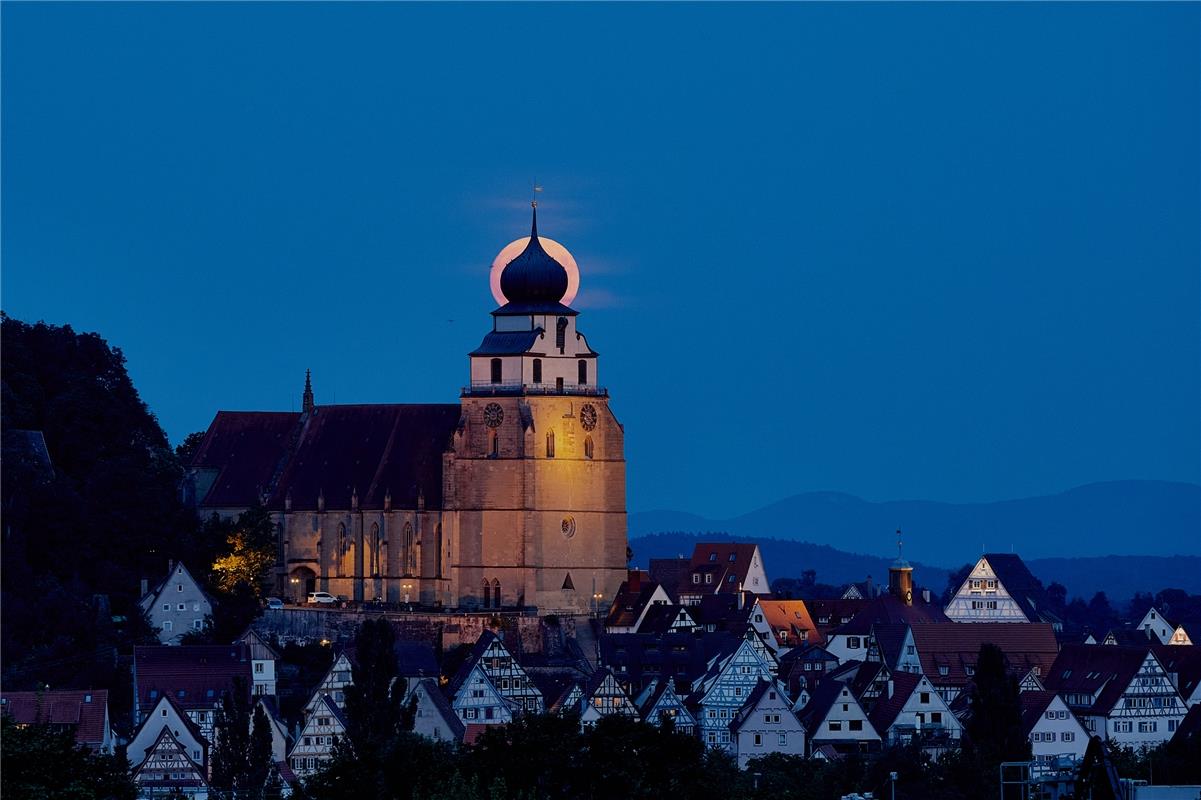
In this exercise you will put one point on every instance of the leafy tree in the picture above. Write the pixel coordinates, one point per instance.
(242, 751)
(188, 447)
(1057, 597)
(250, 551)
(40, 762)
(1101, 615)
(993, 732)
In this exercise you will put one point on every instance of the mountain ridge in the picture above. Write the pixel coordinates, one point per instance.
(1103, 519)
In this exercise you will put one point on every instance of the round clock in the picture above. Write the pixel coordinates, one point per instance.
(908, 595)
(494, 415)
(588, 417)
(568, 526)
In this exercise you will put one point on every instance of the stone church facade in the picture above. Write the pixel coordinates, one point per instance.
(512, 498)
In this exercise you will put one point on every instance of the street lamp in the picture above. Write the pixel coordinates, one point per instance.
(892, 776)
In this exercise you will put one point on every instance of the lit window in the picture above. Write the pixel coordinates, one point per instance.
(587, 447)
(550, 444)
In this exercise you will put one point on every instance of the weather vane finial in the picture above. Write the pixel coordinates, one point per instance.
(899, 544)
(534, 196)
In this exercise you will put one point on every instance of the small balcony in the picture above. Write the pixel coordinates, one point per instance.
(489, 389)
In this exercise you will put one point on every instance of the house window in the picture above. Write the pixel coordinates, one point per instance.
(713, 556)
(182, 607)
(855, 725)
(925, 697)
(166, 606)
(835, 725)
(179, 587)
(167, 625)
(696, 577)
(196, 624)
(496, 371)
(537, 370)
(258, 667)
(587, 447)
(943, 669)
(758, 740)
(709, 578)
(550, 444)
(195, 606)
(730, 579)
(561, 333)
(583, 370)
(853, 642)
(783, 740)
(936, 717)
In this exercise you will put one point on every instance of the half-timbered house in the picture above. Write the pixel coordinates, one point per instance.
(724, 688)
(659, 703)
(324, 726)
(168, 770)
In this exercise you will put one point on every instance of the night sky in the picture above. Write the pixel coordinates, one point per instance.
(948, 252)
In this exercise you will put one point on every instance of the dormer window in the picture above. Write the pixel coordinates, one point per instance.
(713, 556)
(732, 557)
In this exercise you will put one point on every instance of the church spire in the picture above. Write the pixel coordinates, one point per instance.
(306, 402)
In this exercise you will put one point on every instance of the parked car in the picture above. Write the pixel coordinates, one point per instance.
(274, 603)
(322, 597)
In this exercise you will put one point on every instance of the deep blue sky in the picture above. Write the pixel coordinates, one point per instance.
(938, 251)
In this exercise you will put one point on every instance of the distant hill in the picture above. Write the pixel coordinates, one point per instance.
(1118, 576)
(1145, 518)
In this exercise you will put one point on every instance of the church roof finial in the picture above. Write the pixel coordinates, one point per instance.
(307, 399)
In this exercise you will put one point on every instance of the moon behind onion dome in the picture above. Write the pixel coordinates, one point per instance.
(555, 250)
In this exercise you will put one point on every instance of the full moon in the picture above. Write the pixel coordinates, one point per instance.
(555, 250)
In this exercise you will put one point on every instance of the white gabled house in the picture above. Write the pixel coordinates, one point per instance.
(603, 697)
(505, 674)
(166, 715)
(324, 726)
(334, 684)
(723, 690)
(569, 701)
(262, 662)
(834, 719)
(434, 718)
(910, 709)
(658, 703)
(176, 605)
(169, 770)
(1000, 588)
(1156, 627)
(1051, 727)
(766, 724)
(280, 739)
(1122, 694)
(476, 701)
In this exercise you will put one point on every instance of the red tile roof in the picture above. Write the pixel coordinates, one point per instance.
(954, 646)
(334, 451)
(1101, 670)
(194, 676)
(888, 708)
(792, 617)
(84, 710)
(716, 558)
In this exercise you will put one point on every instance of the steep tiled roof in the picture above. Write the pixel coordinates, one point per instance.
(821, 700)
(890, 638)
(84, 710)
(334, 452)
(1185, 662)
(792, 616)
(659, 617)
(830, 614)
(628, 604)
(669, 572)
(752, 702)
(507, 343)
(194, 676)
(1190, 726)
(890, 610)
(723, 559)
(954, 647)
(1018, 581)
(1103, 671)
(245, 448)
(885, 712)
(1033, 706)
(477, 652)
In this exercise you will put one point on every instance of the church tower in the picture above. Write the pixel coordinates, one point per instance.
(537, 472)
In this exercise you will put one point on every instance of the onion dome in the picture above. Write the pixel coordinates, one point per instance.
(534, 277)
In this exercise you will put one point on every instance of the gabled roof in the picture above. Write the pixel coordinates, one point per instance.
(1018, 581)
(722, 559)
(1104, 671)
(888, 609)
(569, 700)
(166, 737)
(487, 638)
(955, 646)
(890, 639)
(151, 597)
(195, 676)
(792, 616)
(886, 710)
(807, 652)
(153, 719)
(334, 711)
(1183, 660)
(1190, 726)
(659, 617)
(334, 452)
(1033, 706)
(84, 710)
(245, 448)
(629, 603)
(442, 706)
(669, 573)
(821, 700)
(752, 702)
(260, 648)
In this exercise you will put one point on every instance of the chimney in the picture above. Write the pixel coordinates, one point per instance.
(145, 587)
(741, 598)
(635, 580)
(926, 595)
(871, 592)
(891, 688)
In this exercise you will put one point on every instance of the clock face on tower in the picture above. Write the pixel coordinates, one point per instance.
(494, 415)
(588, 417)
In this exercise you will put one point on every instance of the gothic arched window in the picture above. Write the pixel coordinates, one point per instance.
(583, 372)
(550, 444)
(495, 446)
(561, 334)
(495, 593)
(496, 371)
(375, 561)
(537, 370)
(410, 550)
(587, 447)
(487, 594)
